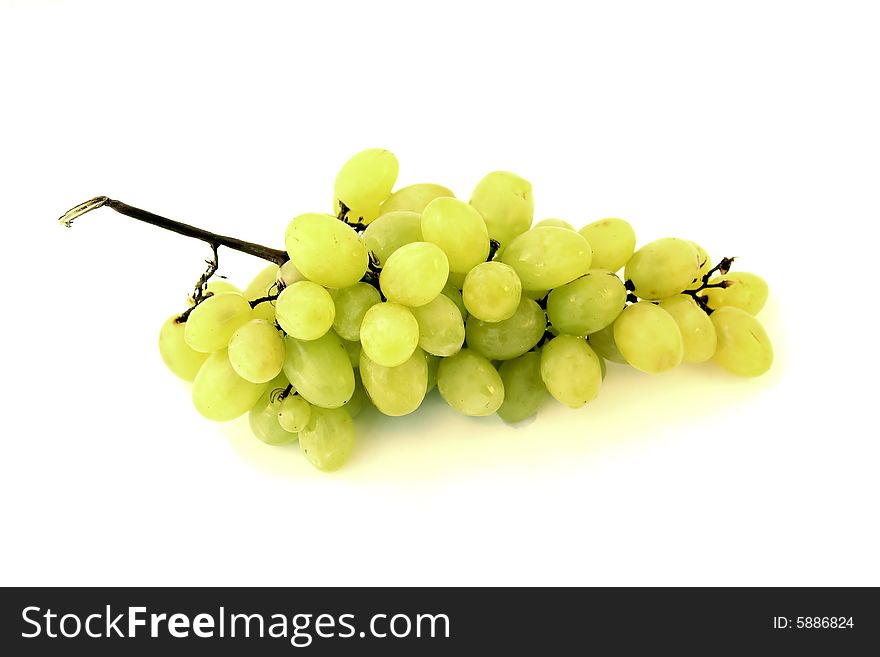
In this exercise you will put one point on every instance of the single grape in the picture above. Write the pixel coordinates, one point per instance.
(433, 365)
(747, 291)
(263, 284)
(458, 230)
(570, 370)
(469, 384)
(648, 338)
(414, 274)
(441, 328)
(396, 390)
(456, 279)
(559, 223)
(536, 295)
(328, 438)
(363, 183)
(179, 357)
(663, 268)
(601, 363)
(613, 241)
(603, 344)
(211, 323)
(414, 198)
(219, 393)
(548, 257)
(504, 200)
(697, 332)
(305, 310)
(491, 291)
(353, 349)
(587, 304)
(359, 399)
(256, 351)
(352, 303)
(319, 370)
(326, 250)
(509, 338)
(392, 231)
(454, 293)
(389, 334)
(288, 274)
(293, 413)
(524, 389)
(265, 422)
(743, 345)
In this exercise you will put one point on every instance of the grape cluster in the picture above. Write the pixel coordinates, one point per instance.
(394, 294)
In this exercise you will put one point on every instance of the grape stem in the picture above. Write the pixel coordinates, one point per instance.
(257, 302)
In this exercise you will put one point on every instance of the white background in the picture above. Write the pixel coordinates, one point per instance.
(750, 127)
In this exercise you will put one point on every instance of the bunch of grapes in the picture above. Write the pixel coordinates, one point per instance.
(395, 294)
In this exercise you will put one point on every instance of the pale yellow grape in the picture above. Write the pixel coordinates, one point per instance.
(458, 230)
(648, 338)
(359, 400)
(353, 349)
(747, 291)
(256, 351)
(389, 334)
(414, 274)
(454, 293)
(219, 393)
(265, 424)
(396, 390)
(504, 200)
(705, 266)
(179, 357)
(603, 344)
(524, 389)
(469, 384)
(743, 345)
(305, 310)
(697, 332)
(559, 223)
(535, 294)
(263, 284)
(613, 241)
(570, 370)
(433, 365)
(509, 338)
(266, 311)
(326, 250)
(587, 304)
(293, 413)
(352, 303)
(320, 370)
(288, 274)
(456, 279)
(392, 231)
(441, 328)
(491, 291)
(363, 183)
(601, 363)
(211, 323)
(663, 268)
(414, 198)
(548, 257)
(328, 438)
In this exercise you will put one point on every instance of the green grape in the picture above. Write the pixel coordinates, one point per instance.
(215, 286)
(293, 413)
(266, 311)
(363, 183)
(454, 293)
(319, 370)
(612, 240)
(491, 291)
(179, 357)
(389, 334)
(509, 338)
(601, 364)
(524, 389)
(414, 274)
(353, 349)
(396, 390)
(288, 274)
(559, 223)
(326, 250)
(211, 323)
(265, 422)
(441, 328)
(570, 370)
(697, 332)
(263, 283)
(705, 266)
(352, 303)
(305, 310)
(504, 200)
(747, 291)
(456, 279)
(256, 351)
(648, 338)
(469, 383)
(359, 400)
(603, 344)
(328, 438)
(587, 304)
(663, 268)
(392, 231)
(536, 295)
(433, 365)
(743, 345)
(219, 393)
(548, 257)
(414, 198)
(459, 230)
